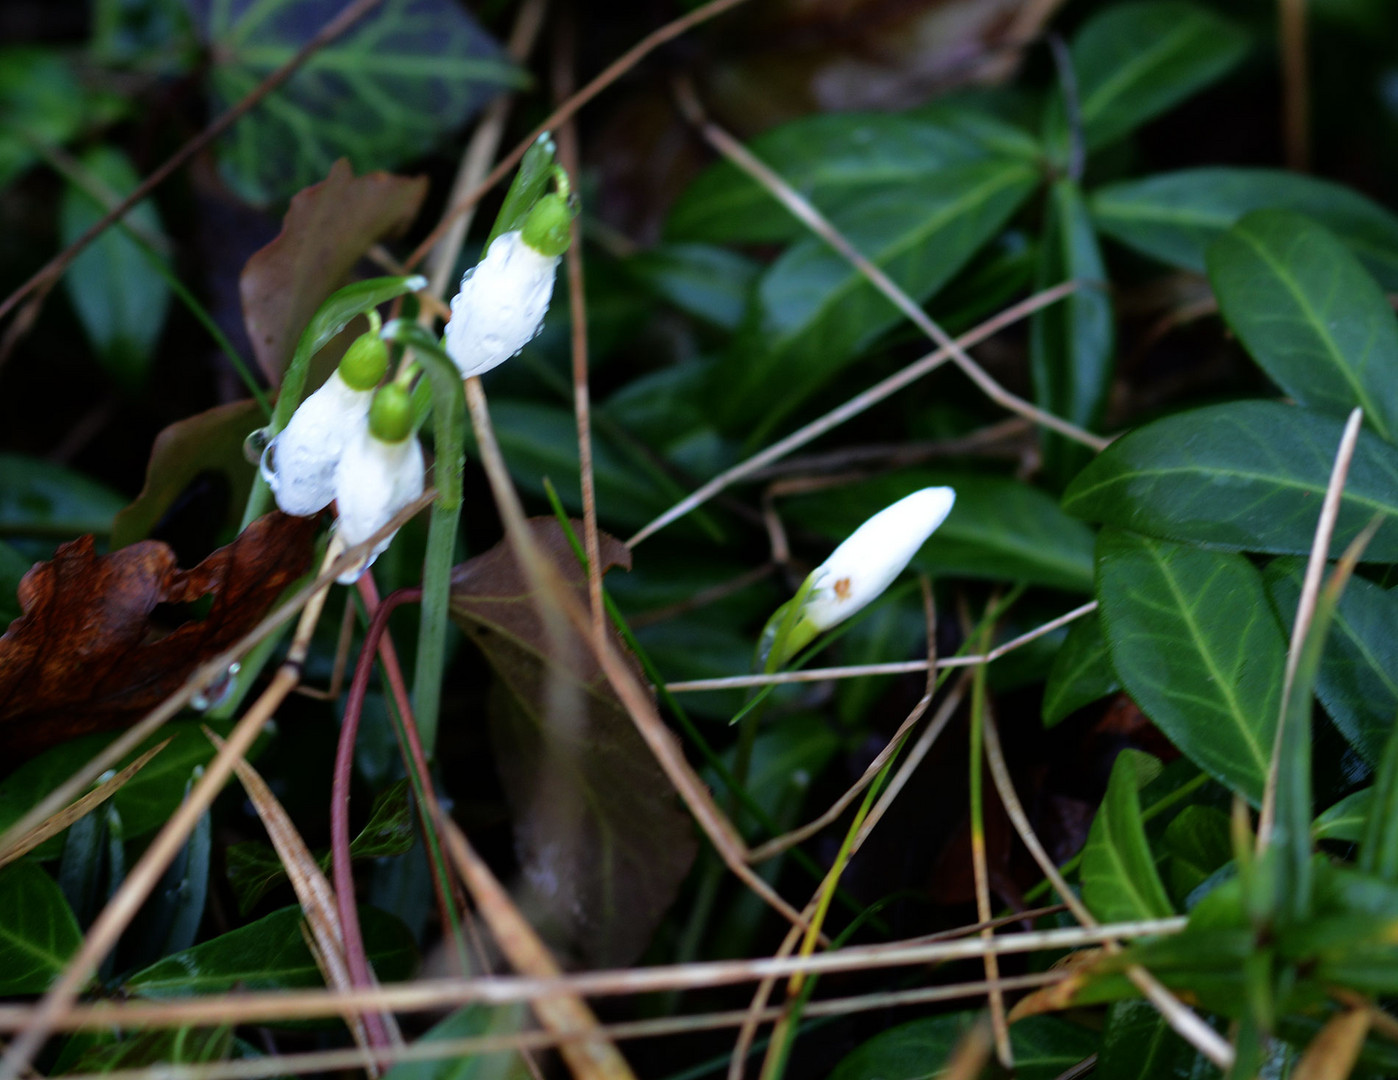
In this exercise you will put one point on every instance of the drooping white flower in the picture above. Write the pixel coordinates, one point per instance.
(501, 305)
(377, 477)
(862, 567)
(299, 464)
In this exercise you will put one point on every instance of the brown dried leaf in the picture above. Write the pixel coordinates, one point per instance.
(328, 228)
(602, 839)
(211, 441)
(1334, 1051)
(86, 655)
(1061, 995)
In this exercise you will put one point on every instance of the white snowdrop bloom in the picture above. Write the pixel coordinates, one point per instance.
(861, 568)
(501, 304)
(299, 464)
(375, 479)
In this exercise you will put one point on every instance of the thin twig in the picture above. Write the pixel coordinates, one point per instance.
(900, 667)
(854, 406)
(60, 262)
(813, 219)
(1305, 609)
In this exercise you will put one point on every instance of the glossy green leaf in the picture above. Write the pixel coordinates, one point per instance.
(1046, 1047)
(384, 92)
(1119, 878)
(40, 497)
(999, 529)
(834, 160)
(470, 1022)
(1139, 1044)
(1082, 671)
(121, 298)
(1247, 475)
(918, 1050)
(271, 954)
(169, 920)
(1358, 680)
(1196, 646)
(814, 313)
(1072, 342)
(38, 934)
(1346, 819)
(1309, 314)
(1134, 61)
(711, 283)
(1174, 217)
(1197, 843)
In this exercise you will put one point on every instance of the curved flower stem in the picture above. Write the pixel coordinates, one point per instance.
(449, 423)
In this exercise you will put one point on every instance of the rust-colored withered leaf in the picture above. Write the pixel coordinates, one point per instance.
(85, 654)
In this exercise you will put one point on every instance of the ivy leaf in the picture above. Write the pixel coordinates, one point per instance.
(383, 93)
(1246, 475)
(1197, 648)
(38, 934)
(1310, 315)
(1175, 216)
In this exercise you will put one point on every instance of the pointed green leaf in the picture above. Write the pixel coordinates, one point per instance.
(1082, 671)
(1198, 844)
(472, 1021)
(1046, 1047)
(1072, 342)
(1358, 680)
(1139, 1044)
(1174, 217)
(1346, 819)
(1247, 475)
(1119, 879)
(1310, 315)
(814, 312)
(384, 92)
(1134, 61)
(918, 1050)
(1378, 852)
(1195, 645)
(38, 934)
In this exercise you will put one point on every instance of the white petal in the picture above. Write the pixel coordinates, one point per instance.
(374, 481)
(501, 305)
(299, 464)
(861, 568)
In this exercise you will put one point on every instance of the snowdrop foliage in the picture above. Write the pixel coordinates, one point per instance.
(862, 567)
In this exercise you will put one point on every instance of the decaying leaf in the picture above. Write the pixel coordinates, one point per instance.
(1060, 995)
(327, 229)
(85, 655)
(601, 836)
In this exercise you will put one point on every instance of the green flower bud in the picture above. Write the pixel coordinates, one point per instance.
(547, 229)
(366, 360)
(391, 414)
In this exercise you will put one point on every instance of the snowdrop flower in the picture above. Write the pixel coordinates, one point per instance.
(862, 567)
(299, 464)
(502, 302)
(380, 471)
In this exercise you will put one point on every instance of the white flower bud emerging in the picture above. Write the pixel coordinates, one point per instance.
(861, 568)
(299, 464)
(501, 305)
(374, 481)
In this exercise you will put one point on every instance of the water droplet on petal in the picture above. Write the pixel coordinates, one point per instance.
(255, 445)
(217, 692)
(267, 464)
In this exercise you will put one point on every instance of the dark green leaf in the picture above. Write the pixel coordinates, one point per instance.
(1378, 854)
(918, 1050)
(42, 103)
(472, 1021)
(40, 497)
(814, 312)
(1119, 880)
(119, 294)
(38, 934)
(253, 870)
(710, 283)
(602, 841)
(153, 35)
(1346, 819)
(183, 1046)
(530, 182)
(13, 566)
(1198, 843)
(169, 920)
(1309, 315)
(1134, 61)
(1000, 529)
(384, 92)
(834, 160)
(1197, 648)
(1139, 1044)
(1072, 342)
(1248, 475)
(1174, 217)
(1046, 1047)
(1358, 681)
(271, 954)
(1082, 671)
